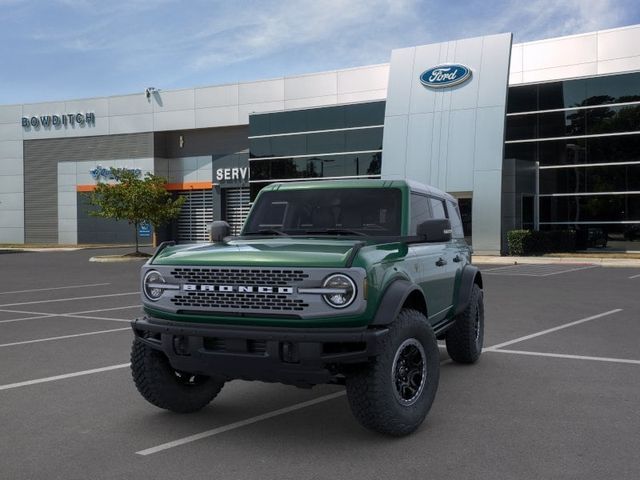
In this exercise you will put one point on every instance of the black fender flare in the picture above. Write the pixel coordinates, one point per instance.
(470, 275)
(393, 299)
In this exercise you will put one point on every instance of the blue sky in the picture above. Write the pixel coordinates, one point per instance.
(65, 49)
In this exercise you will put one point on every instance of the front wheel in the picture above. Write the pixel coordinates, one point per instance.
(393, 394)
(163, 386)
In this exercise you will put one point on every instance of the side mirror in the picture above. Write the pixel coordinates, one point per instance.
(218, 230)
(435, 230)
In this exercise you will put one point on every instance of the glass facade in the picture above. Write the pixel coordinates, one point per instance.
(582, 137)
(329, 142)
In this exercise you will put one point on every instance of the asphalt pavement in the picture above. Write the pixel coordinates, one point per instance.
(554, 395)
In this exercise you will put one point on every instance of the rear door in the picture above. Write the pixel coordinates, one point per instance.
(430, 271)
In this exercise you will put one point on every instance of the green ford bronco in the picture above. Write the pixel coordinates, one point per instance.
(347, 282)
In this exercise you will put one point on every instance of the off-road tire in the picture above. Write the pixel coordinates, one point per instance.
(161, 385)
(372, 390)
(464, 339)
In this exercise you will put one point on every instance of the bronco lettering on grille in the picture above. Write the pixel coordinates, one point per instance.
(189, 287)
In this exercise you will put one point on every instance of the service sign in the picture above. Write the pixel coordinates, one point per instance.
(443, 76)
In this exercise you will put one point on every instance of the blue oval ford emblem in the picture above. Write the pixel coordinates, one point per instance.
(445, 76)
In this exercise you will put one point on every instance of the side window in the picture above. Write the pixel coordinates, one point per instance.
(454, 217)
(437, 206)
(420, 211)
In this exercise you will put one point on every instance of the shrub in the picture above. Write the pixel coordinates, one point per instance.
(531, 242)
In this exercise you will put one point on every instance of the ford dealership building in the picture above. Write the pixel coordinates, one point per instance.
(543, 135)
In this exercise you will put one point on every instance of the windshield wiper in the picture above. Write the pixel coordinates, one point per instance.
(336, 231)
(267, 231)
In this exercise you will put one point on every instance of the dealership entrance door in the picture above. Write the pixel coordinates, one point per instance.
(195, 216)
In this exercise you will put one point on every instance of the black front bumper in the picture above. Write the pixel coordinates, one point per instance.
(297, 356)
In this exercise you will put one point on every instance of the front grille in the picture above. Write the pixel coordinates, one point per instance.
(239, 301)
(230, 276)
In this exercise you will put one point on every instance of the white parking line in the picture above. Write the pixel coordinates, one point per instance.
(574, 357)
(569, 270)
(241, 423)
(70, 299)
(62, 337)
(634, 276)
(39, 315)
(56, 288)
(89, 317)
(12, 320)
(62, 377)
(554, 329)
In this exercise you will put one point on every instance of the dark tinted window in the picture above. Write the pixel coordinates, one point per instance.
(613, 89)
(522, 127)
(420, 211)
(314, 143)
(615, 178)
(613, 119)
(561, 124)
(326, 118)
(590, 208)
(522, 151)
(312, 167)
(570, 93)
(562, 152)
(372, 211)
(624, 148)
(522, 99)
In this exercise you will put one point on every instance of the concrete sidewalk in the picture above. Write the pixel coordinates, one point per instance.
(604, 261)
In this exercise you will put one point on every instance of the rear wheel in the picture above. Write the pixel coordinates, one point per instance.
(393, 394)
(163, 386)
(464, 339)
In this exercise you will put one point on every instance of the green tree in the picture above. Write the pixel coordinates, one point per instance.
(136, 200)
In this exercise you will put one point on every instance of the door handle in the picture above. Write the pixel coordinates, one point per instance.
(441, 262)
(457, 259)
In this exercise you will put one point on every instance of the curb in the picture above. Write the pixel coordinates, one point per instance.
(116, 259)
(602, 261)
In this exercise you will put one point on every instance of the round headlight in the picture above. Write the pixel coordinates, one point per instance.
(153, 282)
(342, 291)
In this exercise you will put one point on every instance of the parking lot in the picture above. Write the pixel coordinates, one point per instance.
(555, 395)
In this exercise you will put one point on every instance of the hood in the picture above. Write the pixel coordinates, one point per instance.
(262, 252)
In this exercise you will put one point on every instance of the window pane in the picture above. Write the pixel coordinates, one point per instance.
(359, 140)
(313, 167)
(437, 207)
(288, 145)
(285, 122)
(590, 208)
(613, 89)
(420, 211)
(570, 93)
(625, 148)
(561, 124)
(324, 118)
(363, 114)
(615, 178)
(522, 99)
(259, 125)
(613, 119)
(260, 147)
(454, 217)
(522, 151)
(562, 152)
(326, 142)
(521, 127)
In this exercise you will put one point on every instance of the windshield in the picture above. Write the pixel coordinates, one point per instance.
(327, 211)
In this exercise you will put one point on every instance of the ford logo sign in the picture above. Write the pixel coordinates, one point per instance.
(445, 76)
